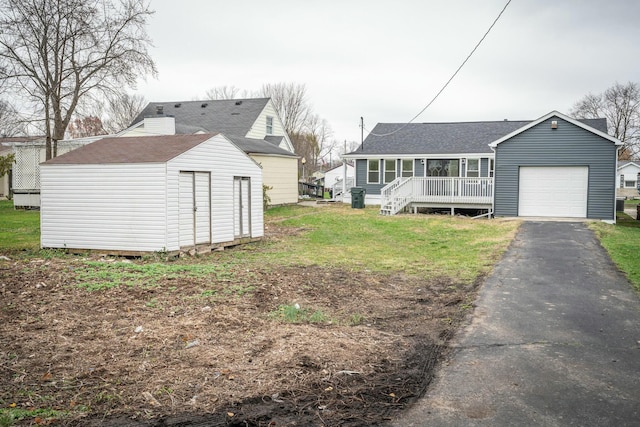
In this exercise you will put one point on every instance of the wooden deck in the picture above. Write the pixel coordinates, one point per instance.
(441, 192)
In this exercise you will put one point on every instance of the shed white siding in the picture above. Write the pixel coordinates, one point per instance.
(136, 207)
(230, 161)
(107, 207)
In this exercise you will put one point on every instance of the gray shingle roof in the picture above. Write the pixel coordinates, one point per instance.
(258, 146)
(444, 138)
(141, 149)
(228, 116)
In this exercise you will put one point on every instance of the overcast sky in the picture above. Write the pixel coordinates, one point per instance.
(385, 60)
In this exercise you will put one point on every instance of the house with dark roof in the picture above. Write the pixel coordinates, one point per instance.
(252, 124)
(552, 166)
(130, 196)
(628, 178)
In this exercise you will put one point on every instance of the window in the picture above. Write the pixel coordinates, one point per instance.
(407, 168)
(491, 167)
(389, 170)
(473, 168)
(443, 167)
(269, 125)
(373, 172)
(621, 181)
(629, 184)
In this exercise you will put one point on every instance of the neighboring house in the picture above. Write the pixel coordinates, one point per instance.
(553, 166)
(334, 179)
(253, 124)
(148, 194)
(628, 178)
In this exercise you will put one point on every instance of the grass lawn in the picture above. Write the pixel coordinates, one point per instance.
(622, 241)
(19, 229)
(354, 239)
(631, 202)
(361, 239)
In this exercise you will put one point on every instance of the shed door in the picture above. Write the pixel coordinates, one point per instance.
(553, 191)
(241, 207)
(195, 208)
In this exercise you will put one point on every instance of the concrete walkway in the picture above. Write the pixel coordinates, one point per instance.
(554, 341)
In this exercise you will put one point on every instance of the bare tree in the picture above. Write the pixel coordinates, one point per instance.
(290, 100)
(620, 105)
(11, 124)
(121, 110)
(223, 92)
(56, 52)
(87, 126)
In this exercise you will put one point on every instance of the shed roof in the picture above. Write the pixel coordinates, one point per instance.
(142, 149)
(228, 116)
(443, 138)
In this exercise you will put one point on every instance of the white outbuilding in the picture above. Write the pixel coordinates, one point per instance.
(131, 196)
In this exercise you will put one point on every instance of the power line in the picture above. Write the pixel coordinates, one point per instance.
(448, 81)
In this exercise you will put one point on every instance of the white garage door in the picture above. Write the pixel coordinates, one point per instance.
(553, 191)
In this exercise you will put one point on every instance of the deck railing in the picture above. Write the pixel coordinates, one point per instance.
(441, 190)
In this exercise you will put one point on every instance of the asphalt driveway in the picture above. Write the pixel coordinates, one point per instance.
(554, 341)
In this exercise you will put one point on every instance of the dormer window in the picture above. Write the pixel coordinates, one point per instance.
(269, 125)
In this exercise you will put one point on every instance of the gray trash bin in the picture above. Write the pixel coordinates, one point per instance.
(357, 197)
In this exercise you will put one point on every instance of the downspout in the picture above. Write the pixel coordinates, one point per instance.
(615, 189)
(493, 197)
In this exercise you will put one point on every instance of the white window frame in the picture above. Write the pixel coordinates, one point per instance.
(627, 181)
(492, 166)
(406, 173)
(269, 128)
(394, 162)
(477, 171)
(377, 181)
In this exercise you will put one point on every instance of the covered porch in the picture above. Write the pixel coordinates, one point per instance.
(436, 192)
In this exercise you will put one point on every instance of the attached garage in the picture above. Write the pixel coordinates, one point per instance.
(556, 166)
(559, 191)
(146, 194)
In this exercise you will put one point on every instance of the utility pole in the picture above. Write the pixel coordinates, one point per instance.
(362, 133)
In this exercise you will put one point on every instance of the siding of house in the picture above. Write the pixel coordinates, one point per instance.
(361, 178)
(568, 145)
(259, 128)
(119, 207)
(280, 173)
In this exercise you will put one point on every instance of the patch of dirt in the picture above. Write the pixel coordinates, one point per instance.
(181, 352)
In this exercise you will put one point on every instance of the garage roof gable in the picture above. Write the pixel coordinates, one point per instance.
(560, 116)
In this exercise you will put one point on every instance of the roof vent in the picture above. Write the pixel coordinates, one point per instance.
(178, 105)
(235, 113)
(239, 102)
(159, 109)
(204, 105)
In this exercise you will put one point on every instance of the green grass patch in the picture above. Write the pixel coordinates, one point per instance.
(98, 275)
(293, 313)
(460, 248)
(19, 229)
(11, 416)
(632, 202)
(622, 241)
